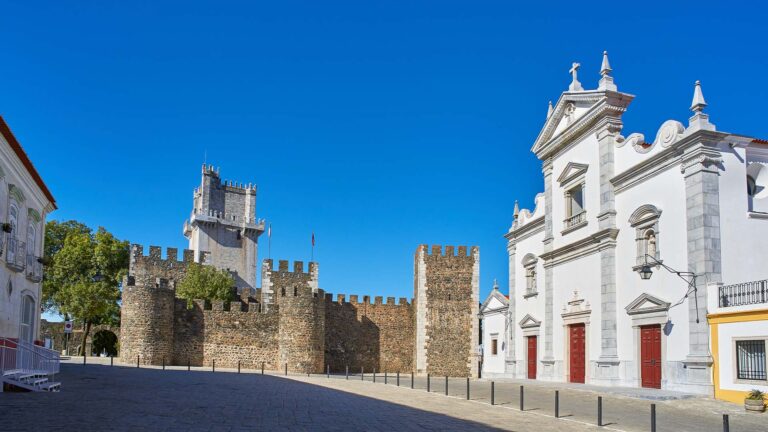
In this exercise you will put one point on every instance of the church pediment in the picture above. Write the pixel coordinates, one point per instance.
(528, 321)
(572, 171)
(495, 300)
(646, 303)
(570, 112)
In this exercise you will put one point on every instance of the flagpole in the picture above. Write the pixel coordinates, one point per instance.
(312, 254)
(269, 242)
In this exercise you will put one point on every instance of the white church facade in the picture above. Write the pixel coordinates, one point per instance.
(609, 273)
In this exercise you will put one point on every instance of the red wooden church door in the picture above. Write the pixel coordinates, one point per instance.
(577, 352)
(650, 356)
(531, 357)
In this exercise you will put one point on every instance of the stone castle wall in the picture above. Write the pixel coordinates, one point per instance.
(367, 336)
(303, 327)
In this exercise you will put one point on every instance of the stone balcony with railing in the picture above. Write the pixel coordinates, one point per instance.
(737, 297)
(574, 222)
(15, 254)
(235, 221)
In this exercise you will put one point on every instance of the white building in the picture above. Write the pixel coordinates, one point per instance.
(25, 202)
(692, 199)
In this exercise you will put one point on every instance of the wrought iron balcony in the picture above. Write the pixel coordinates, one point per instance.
(34, 268)
(15, 254)
(742, 294)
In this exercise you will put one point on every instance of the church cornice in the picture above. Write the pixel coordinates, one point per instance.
(531, 228)
(680, 154)
(593, 243)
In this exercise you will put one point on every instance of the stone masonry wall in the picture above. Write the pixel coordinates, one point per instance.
(301, 333)
(228, 334)
(451, 307)
(376, 336)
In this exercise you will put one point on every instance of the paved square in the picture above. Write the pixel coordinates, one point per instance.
(100, 397)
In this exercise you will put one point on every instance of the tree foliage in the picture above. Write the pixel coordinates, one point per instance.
(55, 234)
(203, 282)
(86, 271)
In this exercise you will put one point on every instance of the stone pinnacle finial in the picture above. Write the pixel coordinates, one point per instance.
(698, 103)
(575, 84)
(605, 69)
(495, 284)
(606, 80)
(517, 210)
(549, 110)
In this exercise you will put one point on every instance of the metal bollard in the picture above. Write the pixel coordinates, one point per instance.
(214, 365)
(428, 379)
(137, 361)
(411, 380)
(111, 360)
(189, 365)
(467, 388)
(726, 426)
(84, 358)
(286, 369)
(346, 372)
(398, 378)
(522, 399)
(599, 410)
(385, 377)
(262, 368)
(557, 403)
(362, 374)
(653, 417)
(238, 366)
(446, 385)
(163, 363)
(374, 375)
(328, 371)
(493, 395)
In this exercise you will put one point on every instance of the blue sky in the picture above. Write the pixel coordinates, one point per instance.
(379, 125)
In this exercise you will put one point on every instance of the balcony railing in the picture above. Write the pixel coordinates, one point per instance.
(575, 220)
(747, 293)
(15, 253)
(34, 268)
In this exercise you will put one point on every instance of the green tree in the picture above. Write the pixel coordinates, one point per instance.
(203, 282)
(87, 270)
(55, 234)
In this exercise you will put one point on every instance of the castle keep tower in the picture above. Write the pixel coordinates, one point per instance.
(446, 303)
(223, 222)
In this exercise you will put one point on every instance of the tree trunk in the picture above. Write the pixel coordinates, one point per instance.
(85, 337)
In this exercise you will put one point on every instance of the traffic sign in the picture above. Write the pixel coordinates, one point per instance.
(67, 326)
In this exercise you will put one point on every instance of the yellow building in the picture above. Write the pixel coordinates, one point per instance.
(738, 323)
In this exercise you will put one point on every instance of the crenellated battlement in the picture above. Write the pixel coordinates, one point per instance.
(171, 255)
(283, 267)
(234, 306)
(366, 300)
(450, 251)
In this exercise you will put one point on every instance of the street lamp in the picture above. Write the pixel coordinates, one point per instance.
(97, 277)
(646, 272)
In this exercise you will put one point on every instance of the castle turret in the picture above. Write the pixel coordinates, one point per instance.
(146, 315)
(223, 222)
(446, 305)
(301, 308)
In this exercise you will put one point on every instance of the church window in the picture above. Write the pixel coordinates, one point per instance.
(575, 201)
(494, 345)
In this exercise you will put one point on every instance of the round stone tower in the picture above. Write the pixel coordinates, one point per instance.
(146, 322)
(301, 334)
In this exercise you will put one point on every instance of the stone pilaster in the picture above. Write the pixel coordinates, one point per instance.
(509, 360)
(608, 361)
(701, 170)
(548, 274)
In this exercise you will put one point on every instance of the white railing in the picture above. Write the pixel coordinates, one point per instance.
(742, 294)
(575, 220)
(26, 357)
